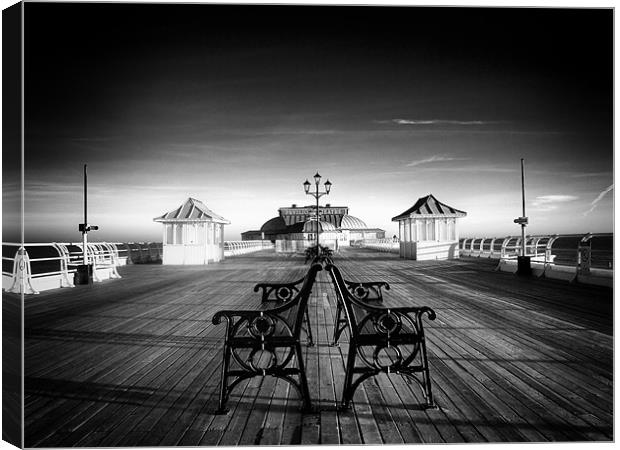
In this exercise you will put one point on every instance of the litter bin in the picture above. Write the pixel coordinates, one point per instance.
(524, 266)
(84, 274)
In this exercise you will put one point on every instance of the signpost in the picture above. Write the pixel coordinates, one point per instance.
(84, 273)
(524, 267)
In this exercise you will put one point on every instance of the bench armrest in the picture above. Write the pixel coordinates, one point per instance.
(367, 290)
(417, 311)
(279, 292)
(259, 326)
(245, 314)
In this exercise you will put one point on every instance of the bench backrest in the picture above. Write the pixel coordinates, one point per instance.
(399, 330)
(302, 297)
(284, 320)
(344, 297)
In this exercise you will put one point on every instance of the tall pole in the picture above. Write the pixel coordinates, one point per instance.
(317, 217)
(317, 194)
(84, 234)
(523, 204)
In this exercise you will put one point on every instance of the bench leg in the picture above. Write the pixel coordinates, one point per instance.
(337, 330)
(347, 392)
(303, 381)
(428, 393)
(308, 329)
(224, 381)
(426, 378)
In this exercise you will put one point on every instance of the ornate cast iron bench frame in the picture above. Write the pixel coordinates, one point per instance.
(368, 291)
(282, 293)
(388, 340)
(252, 334)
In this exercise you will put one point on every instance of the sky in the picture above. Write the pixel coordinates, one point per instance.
(237, 105)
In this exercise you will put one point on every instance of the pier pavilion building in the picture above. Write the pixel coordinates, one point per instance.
(192, 234)
(429, 230)
(295, 228)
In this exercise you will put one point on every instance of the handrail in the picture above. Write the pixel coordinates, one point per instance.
(234, 248)
(389, 245)
(569, 250)
(105, 257)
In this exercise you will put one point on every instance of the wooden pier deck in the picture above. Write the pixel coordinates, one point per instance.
(136, 361)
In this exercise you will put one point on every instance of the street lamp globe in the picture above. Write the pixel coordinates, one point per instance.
(328, 186)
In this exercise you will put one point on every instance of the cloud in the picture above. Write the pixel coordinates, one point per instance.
(590, 174)
(438, 122)
(550, 202)
(432, 159)
(598, 199)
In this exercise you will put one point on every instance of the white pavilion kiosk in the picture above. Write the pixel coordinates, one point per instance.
(429, 230)
(193, 234)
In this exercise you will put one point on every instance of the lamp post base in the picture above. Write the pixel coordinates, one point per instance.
(524, 266)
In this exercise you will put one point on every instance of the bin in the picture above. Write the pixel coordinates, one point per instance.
(84, 274)
(524, 266)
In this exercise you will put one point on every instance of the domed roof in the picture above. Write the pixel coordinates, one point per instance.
(311, 225)
(351, 223)
(275, 225)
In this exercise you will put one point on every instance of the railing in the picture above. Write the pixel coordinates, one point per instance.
(390, 245)
(22, 267)
(233, 248)
(41, 266)
(140, 252)
(577, 254)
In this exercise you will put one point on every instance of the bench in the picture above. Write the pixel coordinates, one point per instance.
(382, 340)
(266, 342)
(282, 293)
(368, 292)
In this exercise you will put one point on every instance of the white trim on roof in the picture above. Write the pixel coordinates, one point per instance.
(190, 205)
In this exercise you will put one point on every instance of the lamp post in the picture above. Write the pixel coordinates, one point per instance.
(317, 194)
(523, 261)
(84, 272)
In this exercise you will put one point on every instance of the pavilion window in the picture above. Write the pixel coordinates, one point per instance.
(216, 233)
(169, 234)
(178, 234)
(442, 230)
(430, 235)
(200, 233)
(191, 234)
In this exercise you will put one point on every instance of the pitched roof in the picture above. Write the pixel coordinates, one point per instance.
(191, 210)
(429, 206)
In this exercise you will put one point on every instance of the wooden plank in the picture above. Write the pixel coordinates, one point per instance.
(330, 432)
(271, 431)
